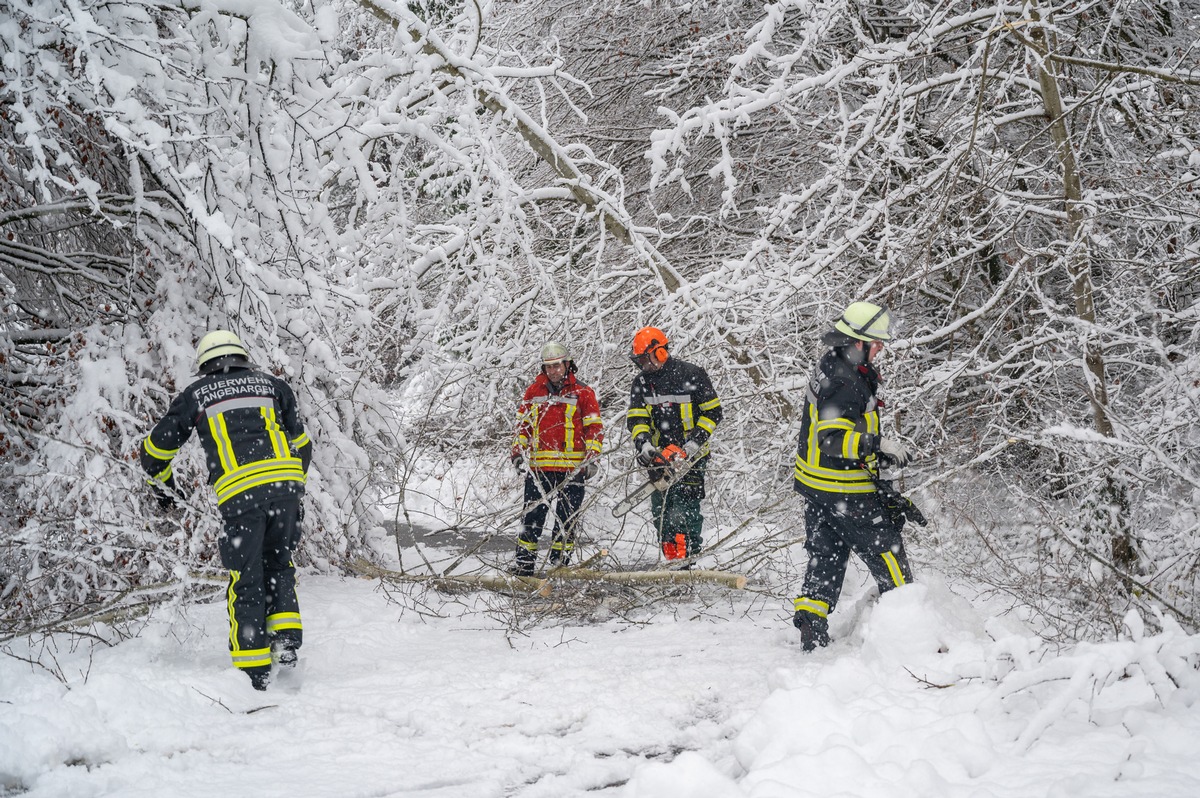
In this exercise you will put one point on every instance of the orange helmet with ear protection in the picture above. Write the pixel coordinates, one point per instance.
(649, 340)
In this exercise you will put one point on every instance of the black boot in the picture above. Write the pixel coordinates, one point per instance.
(259, 677)
(283, 652)
(814, 629)
(523, 566)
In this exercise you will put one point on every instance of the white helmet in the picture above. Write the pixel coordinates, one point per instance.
(554, 352)
(864, 321)
(219, 343)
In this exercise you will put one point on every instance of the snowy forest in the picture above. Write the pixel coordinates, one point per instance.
(396, 205)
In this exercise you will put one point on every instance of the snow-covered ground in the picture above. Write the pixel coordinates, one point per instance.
(923, 694)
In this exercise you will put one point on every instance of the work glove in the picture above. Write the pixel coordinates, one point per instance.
(166, 502)
(691, 449)
(518, 462)
(650, 456)
(894, 453)
(164, 493)
(591, 467)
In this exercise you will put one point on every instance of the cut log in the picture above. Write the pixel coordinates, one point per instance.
(544, 585)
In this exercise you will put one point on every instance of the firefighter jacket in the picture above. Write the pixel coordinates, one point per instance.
(558, 428)
(674, 405)
(839, 433)
(254, 443)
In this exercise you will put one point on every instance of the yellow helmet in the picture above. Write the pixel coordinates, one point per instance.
(864, 321)
(219, 343)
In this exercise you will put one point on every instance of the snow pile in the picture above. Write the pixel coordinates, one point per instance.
(930, 699)
(921, 694)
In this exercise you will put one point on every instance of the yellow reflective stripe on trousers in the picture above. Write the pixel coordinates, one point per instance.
(230, 595)
(251, 658)
(893, 568)
(814, 606)
(283, 620)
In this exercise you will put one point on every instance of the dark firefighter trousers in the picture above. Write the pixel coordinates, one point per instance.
(541, 489)
(256, 547)
(837, 524)
(677, 516)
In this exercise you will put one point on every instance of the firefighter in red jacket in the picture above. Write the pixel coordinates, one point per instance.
(557, 446)
(258, 456)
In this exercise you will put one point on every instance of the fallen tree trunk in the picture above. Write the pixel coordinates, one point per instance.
(544, 585)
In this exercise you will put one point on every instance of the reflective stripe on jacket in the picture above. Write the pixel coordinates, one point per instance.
(839, 431)
(253, 440)
(673, 405)
(557, 429)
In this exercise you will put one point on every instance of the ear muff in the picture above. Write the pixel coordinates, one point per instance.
(648, 340)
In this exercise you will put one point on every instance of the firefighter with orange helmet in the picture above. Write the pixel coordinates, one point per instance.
(557, 446)
(673, 410)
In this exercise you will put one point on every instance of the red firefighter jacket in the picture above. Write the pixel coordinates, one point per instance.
(557, 429)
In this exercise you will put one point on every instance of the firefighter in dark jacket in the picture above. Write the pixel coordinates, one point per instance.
(840, 451)
(673, 410)
(258, 456)
(557, 446)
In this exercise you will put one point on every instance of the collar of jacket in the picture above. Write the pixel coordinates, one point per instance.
(668, 365)
(568, 383)
(845, 356)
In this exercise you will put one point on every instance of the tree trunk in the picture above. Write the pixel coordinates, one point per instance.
(503, 583)
(1113, 511)
(1079, 266)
